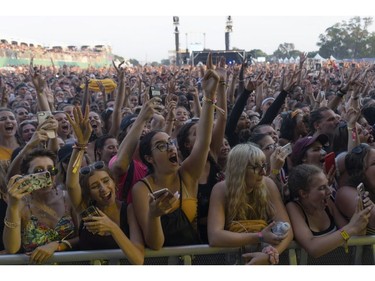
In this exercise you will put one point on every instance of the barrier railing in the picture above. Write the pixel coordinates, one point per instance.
(203, 255)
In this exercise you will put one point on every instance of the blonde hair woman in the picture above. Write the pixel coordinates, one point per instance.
(245, 206)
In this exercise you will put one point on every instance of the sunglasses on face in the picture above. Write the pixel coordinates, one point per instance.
(94, 166)
(52, 170)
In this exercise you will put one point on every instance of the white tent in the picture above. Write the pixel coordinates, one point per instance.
(332, 58)
(318, 57)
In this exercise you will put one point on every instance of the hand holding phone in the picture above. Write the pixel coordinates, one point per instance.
(154, 92)
(37, 181)
(42, 117)
(329, 161)
(287, 149)
(361, 194)
(89, 212)
(159, 193)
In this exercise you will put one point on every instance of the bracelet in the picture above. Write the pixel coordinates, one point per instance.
(210, 101)
(207, 100)
(66, 242)
(172, 120)
(11, 225)
(79, 146)
(346, 237)
(350, 128)
(260, 237)
(275, 171)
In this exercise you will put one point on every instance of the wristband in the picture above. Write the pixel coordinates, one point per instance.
(11, 225)
(260, 237)
(346, 237)
(275, 171)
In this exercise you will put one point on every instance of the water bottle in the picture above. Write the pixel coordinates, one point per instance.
(280, 228)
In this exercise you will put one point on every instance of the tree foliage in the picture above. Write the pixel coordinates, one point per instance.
(348, 40)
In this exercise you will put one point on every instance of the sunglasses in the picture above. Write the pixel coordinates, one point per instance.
(360, 148)
(52, 170)
(94, 166)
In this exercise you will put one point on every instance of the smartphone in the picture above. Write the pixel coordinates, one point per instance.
(42, 116)
(361, 193)
(322, 95)
(154, 92)
(287, 148)
(89, 212)
(37, 181)
(329, 161)
(318, 66)
(157, 194)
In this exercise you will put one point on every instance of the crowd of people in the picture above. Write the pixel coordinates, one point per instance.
(219, 154)
(85, 54)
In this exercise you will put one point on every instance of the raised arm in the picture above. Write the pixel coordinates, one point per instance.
(82, 130)
(39, 84)
(130, 142)
(192, 167)
(221, 120)
(120, 97)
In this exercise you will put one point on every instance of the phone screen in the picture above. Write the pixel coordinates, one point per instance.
(329, 161)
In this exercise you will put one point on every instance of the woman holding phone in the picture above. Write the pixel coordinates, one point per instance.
(158, 218)
(39, 221)
(360, 168)
(107, 223)
(318, 225)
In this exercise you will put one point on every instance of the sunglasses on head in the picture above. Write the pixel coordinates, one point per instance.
(359, 148)
(94, 166)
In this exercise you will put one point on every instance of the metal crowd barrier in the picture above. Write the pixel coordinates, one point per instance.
(362, 251)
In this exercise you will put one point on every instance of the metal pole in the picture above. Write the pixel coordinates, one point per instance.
(177, 39)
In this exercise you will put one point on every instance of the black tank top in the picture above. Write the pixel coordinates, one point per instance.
(331, 228)
(89, 241)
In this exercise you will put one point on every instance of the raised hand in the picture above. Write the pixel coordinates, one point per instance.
(254, 83)
(211, 79)
(81, 125)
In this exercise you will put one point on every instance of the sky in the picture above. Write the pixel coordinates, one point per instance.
(144, 30)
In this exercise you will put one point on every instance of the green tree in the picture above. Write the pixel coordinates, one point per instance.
(348, 39)
(134, 62)
(256, 53)
(165, 62)
(285, 50)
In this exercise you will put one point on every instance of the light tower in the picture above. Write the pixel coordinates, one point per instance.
(228, 29)
(176, 22)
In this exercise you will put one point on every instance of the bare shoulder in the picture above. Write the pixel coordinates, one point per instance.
(345, 192)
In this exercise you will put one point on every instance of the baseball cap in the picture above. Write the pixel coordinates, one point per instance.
(65, 152)
(267, 100)
(127, 121)
(300, 147)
